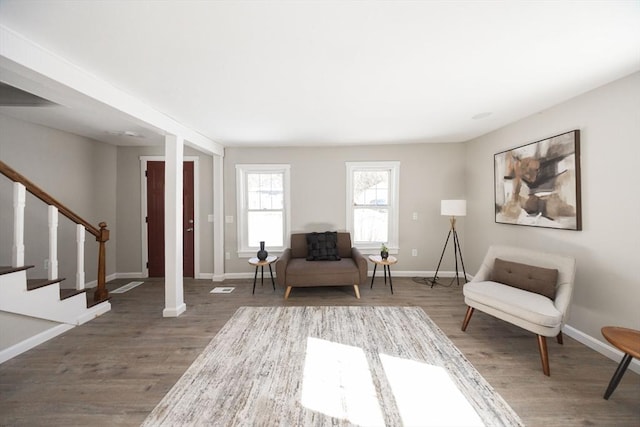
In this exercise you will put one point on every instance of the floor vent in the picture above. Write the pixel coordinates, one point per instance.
(127, 287)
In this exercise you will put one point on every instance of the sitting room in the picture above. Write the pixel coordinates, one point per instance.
(319, 213)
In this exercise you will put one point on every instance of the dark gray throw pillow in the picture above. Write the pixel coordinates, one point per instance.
(527, 277)
(322, 246)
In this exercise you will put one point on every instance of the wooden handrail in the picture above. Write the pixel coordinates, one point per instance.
(101, 234)
(15, 176)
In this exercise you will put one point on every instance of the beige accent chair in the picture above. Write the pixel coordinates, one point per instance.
(529, 310)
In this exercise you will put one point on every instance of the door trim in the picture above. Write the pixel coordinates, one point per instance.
(196, 210)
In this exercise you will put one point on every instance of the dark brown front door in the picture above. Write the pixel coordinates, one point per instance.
(155, 219)
(187, 218)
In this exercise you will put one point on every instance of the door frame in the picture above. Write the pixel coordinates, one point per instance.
(196, 211)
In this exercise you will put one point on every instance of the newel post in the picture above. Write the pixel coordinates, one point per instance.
(101, 292)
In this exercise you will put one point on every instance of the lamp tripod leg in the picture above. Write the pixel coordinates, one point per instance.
(458, 252)
(435, 276)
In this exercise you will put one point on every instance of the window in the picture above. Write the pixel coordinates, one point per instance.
(263, 207)
(372, 204)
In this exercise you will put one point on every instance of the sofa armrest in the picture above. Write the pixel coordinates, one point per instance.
(281, 267)
(361, 263)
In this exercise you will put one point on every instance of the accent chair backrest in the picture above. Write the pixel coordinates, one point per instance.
(566, 266)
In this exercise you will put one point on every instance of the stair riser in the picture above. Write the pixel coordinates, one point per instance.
(43, 303)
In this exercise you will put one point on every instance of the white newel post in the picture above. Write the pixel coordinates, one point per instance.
(53, 243)
(19, 201)
(80, 237)
(173, 182)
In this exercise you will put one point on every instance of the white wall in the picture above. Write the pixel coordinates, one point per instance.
(607, 288)
(80, 173)
(428, 173)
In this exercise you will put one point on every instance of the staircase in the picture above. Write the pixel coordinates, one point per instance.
(33, 311)
(44, 299)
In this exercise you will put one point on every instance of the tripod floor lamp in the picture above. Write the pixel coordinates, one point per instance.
(452, 209)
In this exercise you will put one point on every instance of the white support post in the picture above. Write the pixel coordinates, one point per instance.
(19, 201)
(218, 218)
(173, 183)
(80, 238)
(53, 243)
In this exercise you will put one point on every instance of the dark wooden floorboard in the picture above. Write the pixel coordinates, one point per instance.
(116, 368)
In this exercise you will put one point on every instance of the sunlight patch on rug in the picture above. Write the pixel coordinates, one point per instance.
(337, 382)
(426, 394)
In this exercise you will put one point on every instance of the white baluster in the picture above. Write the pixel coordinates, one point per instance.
(53, 242)
(19, 201)
(80, 235)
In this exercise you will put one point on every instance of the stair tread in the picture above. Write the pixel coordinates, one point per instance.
(39, 283)
(6, 269)
(68, 293)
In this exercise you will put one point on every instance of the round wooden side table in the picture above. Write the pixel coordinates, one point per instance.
(626, 340)
(386, 266)
(260, 264)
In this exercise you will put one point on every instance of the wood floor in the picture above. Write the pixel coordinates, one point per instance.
(116, 368)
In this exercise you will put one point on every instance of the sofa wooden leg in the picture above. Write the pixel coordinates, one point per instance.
(544, 355)
(559, 338)
(357, 291)
(467, 317)
(287, 292)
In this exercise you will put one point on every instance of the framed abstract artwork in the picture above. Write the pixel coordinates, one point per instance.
(538, 184)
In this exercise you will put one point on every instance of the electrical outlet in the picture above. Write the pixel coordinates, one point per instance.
(414, 252)
(46, 264)
(227, 255)
(415, 216)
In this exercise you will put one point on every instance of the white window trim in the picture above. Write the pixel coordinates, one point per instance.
(394, 203)
(245, 251)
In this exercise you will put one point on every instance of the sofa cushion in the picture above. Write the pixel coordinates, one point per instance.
(527, 277)
(322, 246)
(301, 272)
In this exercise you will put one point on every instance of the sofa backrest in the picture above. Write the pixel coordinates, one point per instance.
(299, 245)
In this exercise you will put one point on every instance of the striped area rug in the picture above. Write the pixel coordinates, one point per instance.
(337, 366)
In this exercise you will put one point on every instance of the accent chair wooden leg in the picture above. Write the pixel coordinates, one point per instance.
(544, 355)
(287, 292)
(467, 317)
(357, 291)
(559, 338)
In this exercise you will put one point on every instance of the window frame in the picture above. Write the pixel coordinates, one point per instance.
(242, 170)
(393, 234)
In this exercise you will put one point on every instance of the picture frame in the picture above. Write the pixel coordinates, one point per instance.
(538, 184)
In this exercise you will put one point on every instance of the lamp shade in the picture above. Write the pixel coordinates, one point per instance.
(453, 207)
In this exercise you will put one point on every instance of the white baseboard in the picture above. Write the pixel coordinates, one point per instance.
(33, 341)
(93, 312)
(599, 346)
(204, 276)
(131, 275)
(240, 275)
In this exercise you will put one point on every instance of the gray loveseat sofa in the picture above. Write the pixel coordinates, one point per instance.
(321, 259)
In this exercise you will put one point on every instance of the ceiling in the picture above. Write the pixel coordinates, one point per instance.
(297, 73)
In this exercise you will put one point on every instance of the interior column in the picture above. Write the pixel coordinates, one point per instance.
(173, 285)
(218, 218)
